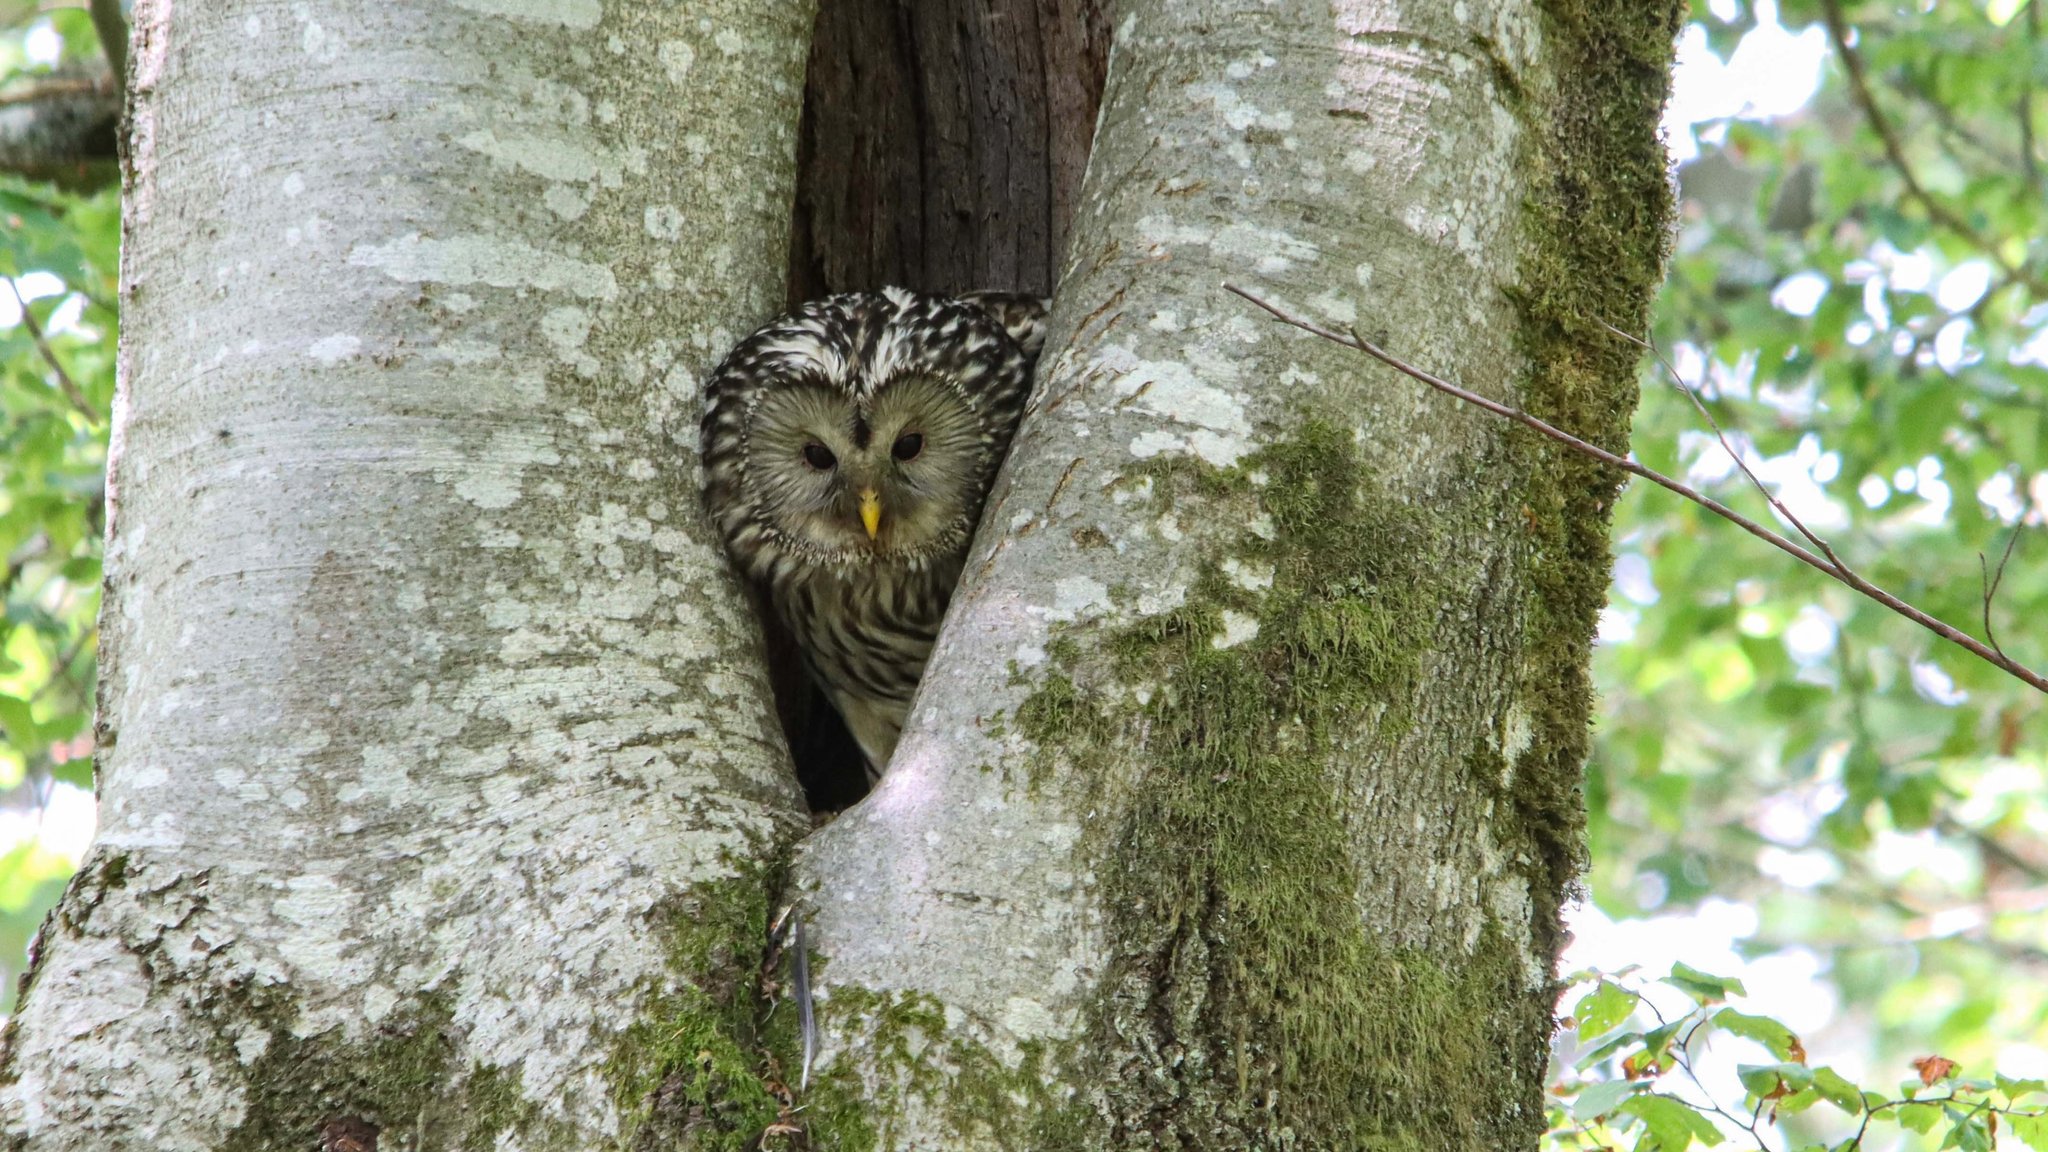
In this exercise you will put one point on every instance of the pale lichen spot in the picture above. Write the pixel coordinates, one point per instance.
(1075, 595)
(676, 57)
(565, 330)
(378, 1001)
(664, 222)
(1159, 601)
(1146, 445)
(499, 262)
(461, 350)
(566, 200)
(729, 42)
(578, 14)
(1252, 577)
(1237, 628)
(549, 157)
(1028, 1019)
(293, 184)
(1170, 389)
(334, 349)
(1335, 307)
(493, 482)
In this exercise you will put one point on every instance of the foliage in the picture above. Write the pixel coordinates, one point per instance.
(1873, 330)
(1637, 1079)
(58, 251)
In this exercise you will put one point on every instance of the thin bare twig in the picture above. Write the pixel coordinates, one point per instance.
(1894, 150)
(1993, 579)
(70, 387)
(1826, 563)
(1678, 382)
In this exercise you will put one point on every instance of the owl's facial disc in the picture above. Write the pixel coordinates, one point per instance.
(855, 480)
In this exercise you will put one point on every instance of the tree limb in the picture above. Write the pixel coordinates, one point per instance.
(62, 129)
(113, 33)
(1827, 563)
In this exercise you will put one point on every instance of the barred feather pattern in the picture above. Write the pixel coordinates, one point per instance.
(857, 375)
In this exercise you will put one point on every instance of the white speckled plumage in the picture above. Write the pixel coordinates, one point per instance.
(910, 397)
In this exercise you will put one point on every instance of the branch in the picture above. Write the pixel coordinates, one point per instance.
(63, 129)
(72, 391)
(113, 33)
(1993, 579)
(1887, 135)
(1827, 563)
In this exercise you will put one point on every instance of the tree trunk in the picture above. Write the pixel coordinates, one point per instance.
(448, 808)
(440, 794)
(1246, 812)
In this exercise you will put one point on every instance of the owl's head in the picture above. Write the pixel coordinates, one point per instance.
(865, 428)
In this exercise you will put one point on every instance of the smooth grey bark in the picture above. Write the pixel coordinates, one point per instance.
(1238, 805)
(433, 729)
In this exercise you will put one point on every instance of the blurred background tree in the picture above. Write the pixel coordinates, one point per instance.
(1791, 785)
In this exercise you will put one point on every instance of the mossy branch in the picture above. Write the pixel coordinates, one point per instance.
(1826, 561)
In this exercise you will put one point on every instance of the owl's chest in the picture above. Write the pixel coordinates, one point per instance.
(869, 631)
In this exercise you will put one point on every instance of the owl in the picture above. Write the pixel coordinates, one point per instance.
(847, 448)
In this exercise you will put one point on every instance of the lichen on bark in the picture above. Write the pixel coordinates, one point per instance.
(1247, 1004)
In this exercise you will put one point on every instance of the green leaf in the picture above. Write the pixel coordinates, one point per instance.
(1762, 1029)
(1838, 1091)
(2030, 1130)
(18, 721)
(2015, 1089)
(77, 773)
(1670, 1125)
(1703, 987)
(1597, 1100)
(1765, 1081)
(1920, 1116)
(1603, 1009)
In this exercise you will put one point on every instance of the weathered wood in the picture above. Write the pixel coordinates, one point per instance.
(944, 142)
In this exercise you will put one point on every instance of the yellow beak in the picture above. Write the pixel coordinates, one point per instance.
(871, 511)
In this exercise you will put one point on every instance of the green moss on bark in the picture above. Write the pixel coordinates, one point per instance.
(697, 1069)
(694, 1071)
(906, 1039)
(1245, 1006)
(1595, 236)
(400, 1078)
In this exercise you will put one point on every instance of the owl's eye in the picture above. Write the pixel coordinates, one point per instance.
(820, 457)
(907, 446)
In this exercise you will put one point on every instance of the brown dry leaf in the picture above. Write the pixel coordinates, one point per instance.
(1933, 1068)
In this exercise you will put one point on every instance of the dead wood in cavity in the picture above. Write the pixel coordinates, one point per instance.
(943, 142)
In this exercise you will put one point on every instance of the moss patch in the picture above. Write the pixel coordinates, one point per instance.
(1596, 234)
(1245, 1006)
(700, 1067)
(695, 1071)
(906, 1039)
(400, 1079)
